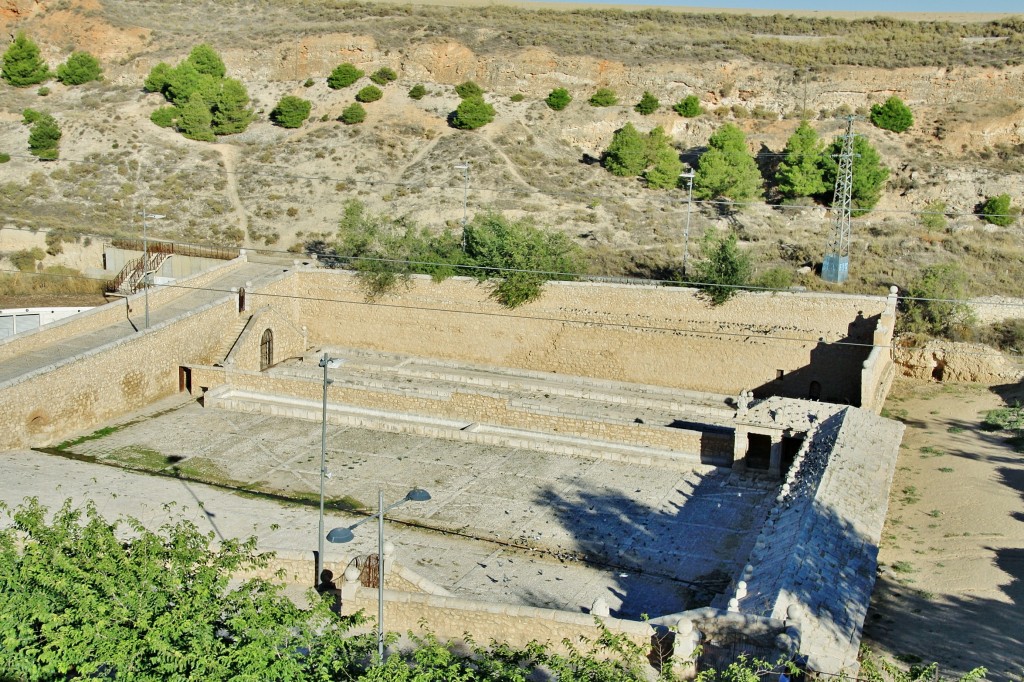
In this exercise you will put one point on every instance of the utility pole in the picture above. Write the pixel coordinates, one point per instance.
(464, 166)
(836, 265)
(688, 176)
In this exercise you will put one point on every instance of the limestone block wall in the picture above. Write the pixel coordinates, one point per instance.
(106, 315)
(289, 341)
(468, 407)
(451, 617)
(43, 407)
(641, 334)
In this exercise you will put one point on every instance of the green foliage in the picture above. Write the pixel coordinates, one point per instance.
(997, 211)
(604, 97)
(472, 113)
(195, 120)
(776, 278)
(417, 91)
(1006, 335)
(199, 82)
(343, 76)
(25, 260)
(626, 156)
(800, 173)
(165, 117)
(934, 215)
(206, 61)
(664, 174)
(531, 256)
(1005, 419)
(30, 116)
(308, 83)
(468, 89)
(724, 268)
(383, 76)
(291, 111)
(688, 107)
(43, 91)
(558, 99)
(727, 170)
(4, 157)
(82, 602)
(939, 312)
(44, 138)
(371, 93)
(353, 113)
(518, 97)
(869, 175)
(648, 104)
(23, 66)
(874, 670)
(81, 67)
(894, 115)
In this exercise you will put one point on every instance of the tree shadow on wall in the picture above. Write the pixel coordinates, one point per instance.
(663, 559)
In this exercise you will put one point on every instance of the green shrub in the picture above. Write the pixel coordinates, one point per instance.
(604, 97)
(4, 157)
(25, 260)
(647, 105)
(353, 113)
(931, 305)
(558, 99)
(724, 268)
(800, 173)
(30, 116)
(997, 211)
(44, 138)
(81, 67)
(776, 278)
(626, 155)
(664, 174)
(23, 66)
(727, 169)
(689, 106)
(291, 111)
(934, 215)
(472, 113)
(308, 83)
(417, 91)
(383, 76)
(43, 91)
(894, 115)
(343, 76)
(468, 89)
(165, 117)
(206, 61)
(518, 97)
(371, 93)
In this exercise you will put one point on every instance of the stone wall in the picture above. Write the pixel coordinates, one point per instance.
(289, 341)
(663, 336)
(106, 315)
(45, 406)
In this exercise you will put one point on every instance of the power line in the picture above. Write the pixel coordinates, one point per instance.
(282, 174)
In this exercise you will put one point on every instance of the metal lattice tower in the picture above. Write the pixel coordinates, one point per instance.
(836, 266)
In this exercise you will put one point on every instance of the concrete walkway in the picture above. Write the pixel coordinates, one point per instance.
(50, 354)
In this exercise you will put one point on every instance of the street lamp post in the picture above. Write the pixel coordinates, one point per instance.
(464, 166)
(145, 255)
(688, 176)
(344, 534)
(327, 362)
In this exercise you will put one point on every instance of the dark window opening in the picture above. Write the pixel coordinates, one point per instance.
(814, 393)
(779, 374)
(759, 451)
(266, 350)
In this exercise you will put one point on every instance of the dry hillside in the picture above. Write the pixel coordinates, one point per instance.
(274, 188)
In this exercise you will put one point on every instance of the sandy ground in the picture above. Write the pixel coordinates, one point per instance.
(951, 584)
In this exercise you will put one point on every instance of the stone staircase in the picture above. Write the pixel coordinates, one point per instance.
(230, 339)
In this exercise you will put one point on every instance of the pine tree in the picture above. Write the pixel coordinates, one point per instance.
(626, 156)
(343, 76)
(291, 111)
(688, 107)
(558, 99)
(81, 67)
(894, 115)
(22, 64)
(648, 104)
(800, 174)
(665, 172)
(473, 112)
(44, 138)
(207, 61)
(869, 175)
(195, 121)
(727, 169)
(724, 268)
(230, 108)
(353, 113)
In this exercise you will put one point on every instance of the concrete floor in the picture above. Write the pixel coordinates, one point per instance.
(646, 540)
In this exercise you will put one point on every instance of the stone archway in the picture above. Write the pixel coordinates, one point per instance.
(266, 349)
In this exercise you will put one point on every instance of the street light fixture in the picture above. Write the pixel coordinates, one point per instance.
(688, 176)
(344, 534)
(327, 362)
(464, 166)
(145, 255)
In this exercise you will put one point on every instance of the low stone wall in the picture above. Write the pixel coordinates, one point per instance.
(106, 315)
(45, 406)
(287, 340)
(951, 361)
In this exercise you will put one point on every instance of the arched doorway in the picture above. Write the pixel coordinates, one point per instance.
(266, 350)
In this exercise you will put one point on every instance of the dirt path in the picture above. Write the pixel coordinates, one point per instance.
(229, 153)
(951, 584)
